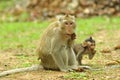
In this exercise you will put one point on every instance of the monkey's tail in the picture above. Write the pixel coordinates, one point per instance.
(32, 68)
(106, 68)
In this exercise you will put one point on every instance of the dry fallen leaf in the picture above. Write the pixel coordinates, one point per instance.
(117, 47)
(116, 62)
(106, 50)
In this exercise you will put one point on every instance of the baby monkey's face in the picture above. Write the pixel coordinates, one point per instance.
(90, 45)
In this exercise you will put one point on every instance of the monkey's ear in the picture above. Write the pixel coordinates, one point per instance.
(66, 15)
(90, 38)
(84, 44)
(73, 17)
(59, 17)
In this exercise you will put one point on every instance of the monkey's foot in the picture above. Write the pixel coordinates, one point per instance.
(67, 70)
(73, 67)
(85, 67)
(79, 70)
(64, 70)
(82, 68)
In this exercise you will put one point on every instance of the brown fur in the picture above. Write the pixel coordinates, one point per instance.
(86, 48)
(54, 49)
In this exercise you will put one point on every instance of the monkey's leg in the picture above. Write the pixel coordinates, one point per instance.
(72, 59)
(59, 60)
(79, 57)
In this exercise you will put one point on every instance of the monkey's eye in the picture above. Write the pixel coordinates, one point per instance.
(92, 44)
(71, 23)
(66, 23)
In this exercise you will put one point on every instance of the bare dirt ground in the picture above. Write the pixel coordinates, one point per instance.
(8, 60)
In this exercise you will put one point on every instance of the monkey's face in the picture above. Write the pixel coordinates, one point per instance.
(89, 43)
(68, 24)
(90, 46)
(69, 27)
(91, 49)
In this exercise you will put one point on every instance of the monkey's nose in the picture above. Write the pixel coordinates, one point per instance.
(92, 47)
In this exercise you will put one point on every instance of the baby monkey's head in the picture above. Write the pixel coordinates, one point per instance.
(90, 44)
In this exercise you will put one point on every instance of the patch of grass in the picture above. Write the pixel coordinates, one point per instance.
(12, 34)
(77, 76)
(26, 61)
(5, 3)
(26, 33)
(88, 27)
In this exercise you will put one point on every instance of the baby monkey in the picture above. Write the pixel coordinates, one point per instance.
(86, 48)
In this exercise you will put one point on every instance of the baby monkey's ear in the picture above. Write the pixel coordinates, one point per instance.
(91, 38)
(84, 44)
(66, 15)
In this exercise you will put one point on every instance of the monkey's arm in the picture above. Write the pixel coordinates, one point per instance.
(73, 64)
(80, 55)
(32, 68)
(53, 44)
(56, 53)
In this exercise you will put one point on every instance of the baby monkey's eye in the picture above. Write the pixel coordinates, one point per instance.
(92, 44)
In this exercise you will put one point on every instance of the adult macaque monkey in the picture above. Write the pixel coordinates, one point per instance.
(86, 48)
(54, 50)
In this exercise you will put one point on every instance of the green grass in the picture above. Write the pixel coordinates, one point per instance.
(6, 3)
(76, 76)
(87, 27)
(20, 33)
(25, 33)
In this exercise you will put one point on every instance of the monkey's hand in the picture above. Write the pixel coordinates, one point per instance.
(73, 36)
(79, 70)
